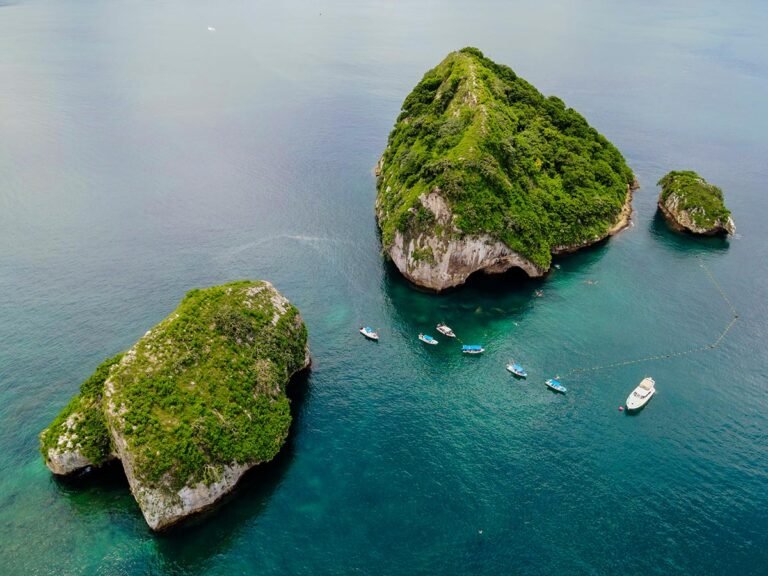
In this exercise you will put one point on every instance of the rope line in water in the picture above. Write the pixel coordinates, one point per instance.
(719, 289)
(669, 355)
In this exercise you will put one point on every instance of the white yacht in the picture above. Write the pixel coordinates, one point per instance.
(641, 394)
(445, 330)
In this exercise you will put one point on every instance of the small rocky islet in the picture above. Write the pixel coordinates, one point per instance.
(689, 203)
(194, 404)
(484, 173)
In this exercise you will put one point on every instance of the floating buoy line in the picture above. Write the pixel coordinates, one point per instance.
(669, 355)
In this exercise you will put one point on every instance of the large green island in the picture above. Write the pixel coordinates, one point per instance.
(195, 403)
(484, 173)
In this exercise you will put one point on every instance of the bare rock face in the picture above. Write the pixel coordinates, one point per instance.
(443, 261)
(161, 511)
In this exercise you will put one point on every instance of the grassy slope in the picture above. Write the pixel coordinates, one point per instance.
(510, 162)
(703, 201)
(207, 387)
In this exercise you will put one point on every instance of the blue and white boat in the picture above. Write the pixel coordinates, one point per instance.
(517, 370)
(472, 349)
(427, 339)
(369, 333)
(554, 384)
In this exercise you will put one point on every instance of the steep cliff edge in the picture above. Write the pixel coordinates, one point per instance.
(198, 400)
(689, 203)
(482, 172)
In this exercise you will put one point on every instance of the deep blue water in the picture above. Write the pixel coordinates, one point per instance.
(142, 155)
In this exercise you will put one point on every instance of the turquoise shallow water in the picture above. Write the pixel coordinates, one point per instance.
(143, 155)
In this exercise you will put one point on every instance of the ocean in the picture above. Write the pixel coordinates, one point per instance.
(148, 148)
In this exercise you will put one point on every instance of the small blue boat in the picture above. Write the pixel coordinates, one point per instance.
(555, 385)
(517, 370)
(472, 349)
(427, 339)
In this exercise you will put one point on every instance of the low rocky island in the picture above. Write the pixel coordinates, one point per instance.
(195, 403)
(690, 203)
(484, 173)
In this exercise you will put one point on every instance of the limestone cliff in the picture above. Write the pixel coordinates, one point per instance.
(447, 259)
(483, 172)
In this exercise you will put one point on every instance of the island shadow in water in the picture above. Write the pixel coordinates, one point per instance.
(100, 492)
(469, 309)
(204, 535)
(684, 242)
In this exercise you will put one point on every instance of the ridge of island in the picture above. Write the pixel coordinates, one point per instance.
(195, 403)
(484, 173)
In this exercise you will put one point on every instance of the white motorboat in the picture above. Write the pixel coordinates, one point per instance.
(369, 333)
(642, 394)
(445, 330)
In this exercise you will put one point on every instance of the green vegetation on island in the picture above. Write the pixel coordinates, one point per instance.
(508, 161)
(690, 202)
(205, 388)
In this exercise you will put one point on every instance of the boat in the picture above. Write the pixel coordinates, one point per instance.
(445, 330)
(472, 349)
(369, 333)
(427, 339)
(641, 395)
(554, 384)
(517, 370)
